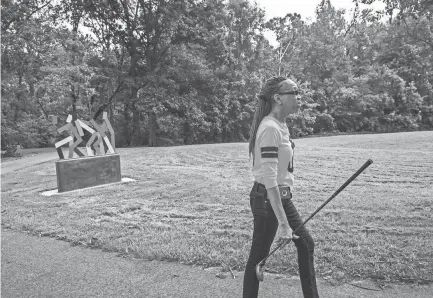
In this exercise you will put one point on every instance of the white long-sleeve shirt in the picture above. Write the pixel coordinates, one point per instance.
(273, 154)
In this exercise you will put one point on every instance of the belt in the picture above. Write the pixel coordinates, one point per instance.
(284, 190)
(259, 187)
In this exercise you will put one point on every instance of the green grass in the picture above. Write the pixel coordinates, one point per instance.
(190, 205)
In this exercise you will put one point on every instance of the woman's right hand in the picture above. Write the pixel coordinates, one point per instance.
(285, 233)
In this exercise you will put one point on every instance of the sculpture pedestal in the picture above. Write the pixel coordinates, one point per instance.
(86, 172)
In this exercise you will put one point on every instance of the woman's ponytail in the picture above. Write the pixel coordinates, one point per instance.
(263, 108)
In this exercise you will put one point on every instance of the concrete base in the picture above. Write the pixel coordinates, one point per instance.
(85, 172)
(53, 192)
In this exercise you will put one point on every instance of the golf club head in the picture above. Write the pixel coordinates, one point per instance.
(259, 272)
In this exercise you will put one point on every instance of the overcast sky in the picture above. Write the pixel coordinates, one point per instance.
(306, 8)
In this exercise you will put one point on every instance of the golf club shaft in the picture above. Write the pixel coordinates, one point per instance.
(274, 250)
(364, 166)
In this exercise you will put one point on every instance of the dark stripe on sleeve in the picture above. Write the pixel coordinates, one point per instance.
(269, 149)
(269, 155)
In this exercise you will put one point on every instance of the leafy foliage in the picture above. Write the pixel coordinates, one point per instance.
(186, 72)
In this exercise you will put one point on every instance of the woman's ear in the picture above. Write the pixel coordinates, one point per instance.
(277, 98)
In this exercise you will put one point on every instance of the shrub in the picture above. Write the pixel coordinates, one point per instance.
(348, 122)
(323, 123)
(393, 123)
(370, 124)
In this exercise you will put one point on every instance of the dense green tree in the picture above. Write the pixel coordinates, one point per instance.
(183, 72)
(26, 40)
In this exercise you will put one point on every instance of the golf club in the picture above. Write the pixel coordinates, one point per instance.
(260, 265)
(259, 271)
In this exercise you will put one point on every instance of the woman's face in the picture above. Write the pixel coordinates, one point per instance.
(288, 95)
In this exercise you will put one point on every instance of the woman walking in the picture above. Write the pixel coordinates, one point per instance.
(270, 197)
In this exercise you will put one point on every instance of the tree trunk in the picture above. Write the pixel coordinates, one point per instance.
(135, 134)
(111, 119)
(18, 95)
(33, 95)
(74, 108)
(135, 140)
(126, 120)
(152, 129)
(186, 133)
(74, 93)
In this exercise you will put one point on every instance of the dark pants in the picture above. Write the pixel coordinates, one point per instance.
(265, 228)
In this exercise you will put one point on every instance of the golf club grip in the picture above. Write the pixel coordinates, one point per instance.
(361, 169)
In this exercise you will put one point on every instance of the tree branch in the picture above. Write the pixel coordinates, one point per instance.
(42, 108)
(110, 101)
(415, 37)
(7, 24)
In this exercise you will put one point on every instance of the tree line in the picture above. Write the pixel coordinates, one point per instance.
(171, 72)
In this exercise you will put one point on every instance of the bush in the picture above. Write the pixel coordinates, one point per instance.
(300, 125)
(394, 123)
(427, 116)
(348, 122)
(32, 132)
(370, 124)
(323, 123)
(13, 151)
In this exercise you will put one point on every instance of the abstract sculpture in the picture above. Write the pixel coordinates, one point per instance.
(90, 170)
(76, 132)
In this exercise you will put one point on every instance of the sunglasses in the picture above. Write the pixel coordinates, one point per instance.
(296, 92)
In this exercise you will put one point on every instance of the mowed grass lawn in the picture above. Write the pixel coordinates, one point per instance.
(190, 204)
